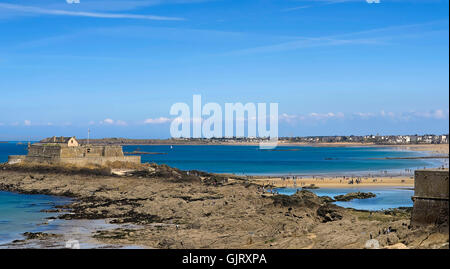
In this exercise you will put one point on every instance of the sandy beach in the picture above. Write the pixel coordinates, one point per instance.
(334, 182)
(406, 179)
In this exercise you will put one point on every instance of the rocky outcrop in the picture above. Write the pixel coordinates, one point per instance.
(310, 187)
(301, 198)
(354, 195)
(38, 235)
(329, 212)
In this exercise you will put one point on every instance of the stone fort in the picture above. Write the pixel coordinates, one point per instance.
(55, 150)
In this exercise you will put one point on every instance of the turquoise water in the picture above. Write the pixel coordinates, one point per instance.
(387, 197)
(300, 160)
(21, 213)
(250, 160)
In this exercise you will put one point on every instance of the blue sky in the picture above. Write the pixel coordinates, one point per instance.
(117, 66)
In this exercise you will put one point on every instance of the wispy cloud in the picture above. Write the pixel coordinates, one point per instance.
(133, 4)
(308, 43)
(294, 8)
(437, 114)
(109, 121)
(159, 120)
(319, 3)
(60, 12)
(377, 36)
(313, 116)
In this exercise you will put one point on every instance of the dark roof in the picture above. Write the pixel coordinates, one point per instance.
(59, 139)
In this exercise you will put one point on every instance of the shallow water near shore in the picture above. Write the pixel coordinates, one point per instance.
(21, 213)
(386, 197)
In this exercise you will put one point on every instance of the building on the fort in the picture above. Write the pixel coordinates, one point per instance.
(69, 141)
(55, 150)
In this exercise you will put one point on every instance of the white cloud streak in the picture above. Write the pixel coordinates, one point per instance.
(109, 121)
(159, 120)
(377, 36)
(438, 114)
(59, 12)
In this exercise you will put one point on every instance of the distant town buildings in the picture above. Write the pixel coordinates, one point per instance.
(373, 139)
(376, 139)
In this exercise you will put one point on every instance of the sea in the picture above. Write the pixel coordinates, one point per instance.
(284, 160)
(386, 197)
(21, 212)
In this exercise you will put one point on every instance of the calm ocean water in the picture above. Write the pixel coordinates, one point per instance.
(285, 160)
(387, 197)
(21, 213)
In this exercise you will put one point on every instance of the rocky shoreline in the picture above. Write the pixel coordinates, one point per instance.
(169, 208)
(354, 195)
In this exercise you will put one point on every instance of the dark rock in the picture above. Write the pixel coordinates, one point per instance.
(310, 187)
(354, 195)
(38, 235)
(327, 199)
(329, 212)
(301, 198)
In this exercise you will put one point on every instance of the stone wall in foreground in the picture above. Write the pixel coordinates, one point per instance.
(431, 204)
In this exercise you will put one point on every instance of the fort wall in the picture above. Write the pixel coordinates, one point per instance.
(431, 200)
(100, 160)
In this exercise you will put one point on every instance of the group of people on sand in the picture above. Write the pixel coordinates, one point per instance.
(288, 177)
(356, 181)
(267, 189)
